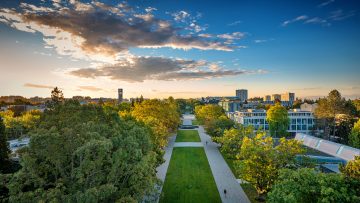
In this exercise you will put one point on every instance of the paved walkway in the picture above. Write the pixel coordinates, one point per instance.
(223, 176)
(162, 169)
(188, 144)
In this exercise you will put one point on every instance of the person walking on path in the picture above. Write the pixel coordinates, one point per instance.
(225, 193)
(206, 142)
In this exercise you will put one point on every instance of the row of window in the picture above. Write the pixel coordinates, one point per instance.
(294, 121)
(291, 127)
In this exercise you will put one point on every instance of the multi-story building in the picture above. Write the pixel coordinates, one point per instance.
(120, 95)
(267, 98)
(275, 97)
(230, 105)
(300, 121)
(288, 96)
(242, 94)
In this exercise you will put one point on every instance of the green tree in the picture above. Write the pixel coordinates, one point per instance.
(260, 161)
(231, 140)
(354, 137)
(352, 169)
(85, 153)
(216, 127)
(4, 147)
(57, 95)
(208, 112)
(307, 186)
(278, 119)
(329, 108)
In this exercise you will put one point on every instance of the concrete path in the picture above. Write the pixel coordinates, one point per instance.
(224, 178)
(162, 169)
(188, 144)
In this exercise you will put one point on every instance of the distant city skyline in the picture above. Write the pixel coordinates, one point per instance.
(159, 48)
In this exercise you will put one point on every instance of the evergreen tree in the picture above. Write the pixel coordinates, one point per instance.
(4, 148)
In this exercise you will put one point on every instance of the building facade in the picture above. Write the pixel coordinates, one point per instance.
(300, 121)
(242, 94)
(120, 95)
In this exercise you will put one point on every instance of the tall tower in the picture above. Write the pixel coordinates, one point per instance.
(120, 95)
(242, 94)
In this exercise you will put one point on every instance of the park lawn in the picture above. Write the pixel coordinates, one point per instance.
(195, 122)
(187, 136)
(189, 178)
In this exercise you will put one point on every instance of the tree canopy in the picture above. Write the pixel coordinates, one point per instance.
(84, 153)
(307, 185)
(354, 136)
(260, 161)
(278, 119)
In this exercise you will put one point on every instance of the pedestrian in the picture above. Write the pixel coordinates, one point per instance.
(225, 192)
(206, 142)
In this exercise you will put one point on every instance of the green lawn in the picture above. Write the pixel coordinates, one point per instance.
(195, 122)
(189, 178)
(187, 136)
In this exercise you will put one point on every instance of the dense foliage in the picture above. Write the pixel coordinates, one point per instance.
(214, 119)
(4, 147)
(205, 113)
(231, 140)
(16, 126)
(260, 161)
(278, 119)
(354, 137)
(163, 118)
(85, 153)
(330, 115)
(307, 186)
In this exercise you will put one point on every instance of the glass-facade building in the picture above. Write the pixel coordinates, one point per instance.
(300, 121)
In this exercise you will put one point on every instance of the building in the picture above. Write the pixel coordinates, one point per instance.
(120, 95)
(242, 94)
(275, 97)
(300, 121)
(288, 96)
(267, 98)
(230, 105)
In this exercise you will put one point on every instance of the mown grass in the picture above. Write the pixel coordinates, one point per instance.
(189, 178)
(187, 136)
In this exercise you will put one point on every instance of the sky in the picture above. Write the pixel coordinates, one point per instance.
(184, 49)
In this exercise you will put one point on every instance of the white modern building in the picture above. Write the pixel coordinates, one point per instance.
(300, 121)
(242, 94)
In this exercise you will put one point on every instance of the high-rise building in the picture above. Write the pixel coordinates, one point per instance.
(288, 97)
(242, 94)
(120, 95)
(275, 97)
(267, 98)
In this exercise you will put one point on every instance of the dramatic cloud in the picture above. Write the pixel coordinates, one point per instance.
(38, 86)
(90, 88)
(138, 69)
(84, 30)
